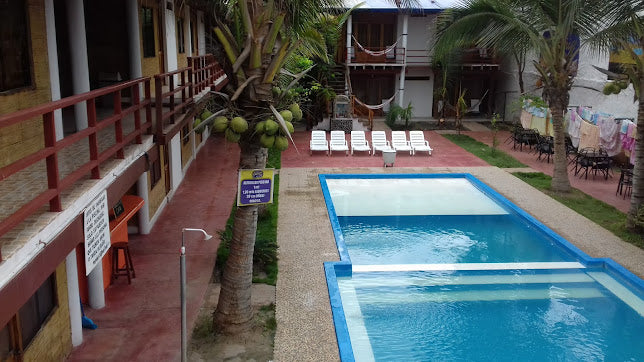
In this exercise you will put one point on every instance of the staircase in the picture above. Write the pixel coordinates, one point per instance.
(336, 81)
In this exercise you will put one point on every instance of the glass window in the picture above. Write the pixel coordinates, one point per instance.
(15, 52)
(149, 50)
(32, 315)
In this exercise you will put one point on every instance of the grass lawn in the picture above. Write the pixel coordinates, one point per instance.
(494, 157)
(597, 211)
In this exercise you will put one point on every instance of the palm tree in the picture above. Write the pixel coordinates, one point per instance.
(549, 28)
(257, 37)
(626, 32)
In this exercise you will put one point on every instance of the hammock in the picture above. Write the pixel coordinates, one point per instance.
(377, 106)
(472, 107)
(378, 52)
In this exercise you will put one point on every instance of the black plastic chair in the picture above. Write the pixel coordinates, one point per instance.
(545, 146)
(625, 183)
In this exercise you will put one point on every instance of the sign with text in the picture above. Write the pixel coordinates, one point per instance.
(97, 232)
(255, 187)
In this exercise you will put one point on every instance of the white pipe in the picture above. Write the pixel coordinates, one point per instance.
(80, 67)
(73, 298)
(52, 61)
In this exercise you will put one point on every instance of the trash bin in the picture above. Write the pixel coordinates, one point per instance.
(388, 157)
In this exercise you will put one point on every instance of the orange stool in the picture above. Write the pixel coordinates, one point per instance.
(129, 267)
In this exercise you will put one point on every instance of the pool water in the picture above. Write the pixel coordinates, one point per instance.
(431, 239)
(443, 268)
(505, 316)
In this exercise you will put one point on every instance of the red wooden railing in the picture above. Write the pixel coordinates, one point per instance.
(168, 98)
(53, 147)
(362, 111)
(205, 71)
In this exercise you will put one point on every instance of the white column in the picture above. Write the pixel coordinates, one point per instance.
(174, 153)
(349, 38)
(403, 70)
(201, 33)
(134, 39)
(78, 48)
(73, 298)
(52, 61)
(170, 38)
(144, 213)
(95, 287)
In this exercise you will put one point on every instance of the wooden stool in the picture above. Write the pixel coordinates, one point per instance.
(129, 267)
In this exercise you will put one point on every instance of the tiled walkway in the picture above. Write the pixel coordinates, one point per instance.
(141, 321)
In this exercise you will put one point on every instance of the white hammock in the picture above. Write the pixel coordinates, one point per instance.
(377, 106)
(378, 52)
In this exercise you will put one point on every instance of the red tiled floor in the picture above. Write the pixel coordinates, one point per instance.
(141, 321)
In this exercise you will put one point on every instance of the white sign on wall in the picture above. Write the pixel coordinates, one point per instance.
(97, 232)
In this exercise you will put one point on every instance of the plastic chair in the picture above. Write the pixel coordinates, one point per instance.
(399, 141)
(379, 142)
(418, 142)
(358, 142)
(319, 142)
(338, 142)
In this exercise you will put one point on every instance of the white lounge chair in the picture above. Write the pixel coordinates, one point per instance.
(358, 142)
(379, 142)
(418, 142)
(399, 141)
(338, 142)
(319, 142)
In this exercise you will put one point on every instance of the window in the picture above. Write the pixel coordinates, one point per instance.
(155, 171)
(147, 32)
(23, 327)
(181, 45)
(15, 52)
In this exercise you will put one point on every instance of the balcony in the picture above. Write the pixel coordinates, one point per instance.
(378, 56)
(39, 187)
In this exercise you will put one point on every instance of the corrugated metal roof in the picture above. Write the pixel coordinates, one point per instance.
(390, 5)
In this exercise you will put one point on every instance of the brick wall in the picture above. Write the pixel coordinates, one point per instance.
(54, 340)
(156, 194)
(23, 139)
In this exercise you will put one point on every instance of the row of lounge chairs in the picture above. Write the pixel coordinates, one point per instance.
(379, 142)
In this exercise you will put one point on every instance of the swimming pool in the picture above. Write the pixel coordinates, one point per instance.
(425, 276)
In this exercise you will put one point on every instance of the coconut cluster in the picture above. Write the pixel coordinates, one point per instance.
(615, 87)
(268, 132)
(203, 117)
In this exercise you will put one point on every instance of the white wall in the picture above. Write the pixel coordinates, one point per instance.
(201, 33)
(586, 89)
(420, 93)
(170, 40)
(420, 33)
(176, 173)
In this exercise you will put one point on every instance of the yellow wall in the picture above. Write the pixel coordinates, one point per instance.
(156, 194)
(54, 340)
(23, 139)
(182, 58)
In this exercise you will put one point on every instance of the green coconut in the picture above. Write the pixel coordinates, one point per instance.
(205, 114)
(281, 143)
(195, 125)
(220, 124)
(267, 141)
(289, 127)
(608, 89)
(616, 89)
(232, 136)
(296, 111)
(277, 90)
(259, 127)
(238, 124)
(270, 127)
(287, 115)
(622, 84)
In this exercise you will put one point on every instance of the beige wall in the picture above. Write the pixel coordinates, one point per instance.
(186, 149)
(150, 66)
(23, 139)
(54, 341)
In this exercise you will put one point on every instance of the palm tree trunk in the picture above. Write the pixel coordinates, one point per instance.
(560, 182)
(234, 311)
(637, 197)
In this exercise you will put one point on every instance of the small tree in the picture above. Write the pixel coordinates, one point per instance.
(495, 131)
(397, 112)
(461, 108)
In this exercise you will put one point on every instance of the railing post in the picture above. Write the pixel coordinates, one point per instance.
(93, 139)
(183, 90)
(171, 90)
(118, 125)
(148, 106)
(49, 128)
(137, 113)
(191, 88)
(158, 105)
